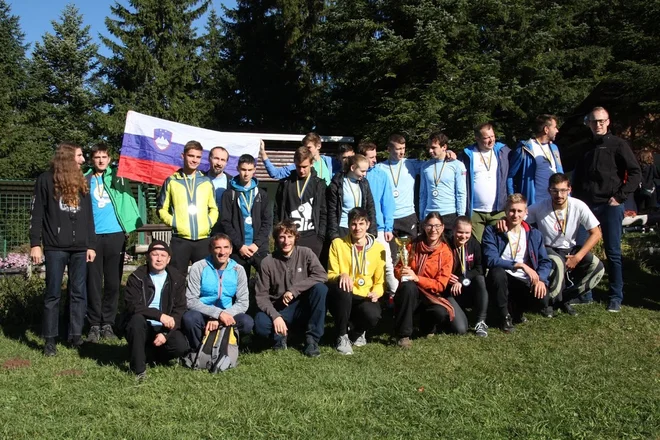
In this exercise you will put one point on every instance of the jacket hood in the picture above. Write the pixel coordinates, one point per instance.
(236, 186)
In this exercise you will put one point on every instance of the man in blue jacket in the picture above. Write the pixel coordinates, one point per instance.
(487, 165)
(217, 294)
(533, 162)
(518, 265)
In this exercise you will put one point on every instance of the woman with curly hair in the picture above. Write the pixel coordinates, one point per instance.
(61, 218)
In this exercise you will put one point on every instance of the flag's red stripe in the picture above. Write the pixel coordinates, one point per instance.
(145, 171)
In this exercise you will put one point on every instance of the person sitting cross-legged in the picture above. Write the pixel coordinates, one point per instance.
(290, 291)
(155, 298)
(424, 279)
(356, 274)
(217, 294)
(518, 265)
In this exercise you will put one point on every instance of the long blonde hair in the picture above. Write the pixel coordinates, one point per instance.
(68, 178)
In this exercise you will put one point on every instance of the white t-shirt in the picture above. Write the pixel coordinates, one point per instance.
(484, 189)
(545, 167)
(550, 222)
(517, 243)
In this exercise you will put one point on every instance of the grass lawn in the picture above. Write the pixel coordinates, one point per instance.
(594, 376)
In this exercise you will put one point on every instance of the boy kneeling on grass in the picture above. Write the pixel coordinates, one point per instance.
(155, 298)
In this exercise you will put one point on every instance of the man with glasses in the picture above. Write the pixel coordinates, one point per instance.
(576, 269)
(604, 179)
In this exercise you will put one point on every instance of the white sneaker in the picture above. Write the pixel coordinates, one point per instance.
(361, 340)
(481, 329)
(344, 345)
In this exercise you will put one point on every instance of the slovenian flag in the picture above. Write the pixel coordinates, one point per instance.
(151, 149)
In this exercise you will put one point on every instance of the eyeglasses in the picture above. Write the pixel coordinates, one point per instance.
(598, 121)
(436, 227)
(559, 191)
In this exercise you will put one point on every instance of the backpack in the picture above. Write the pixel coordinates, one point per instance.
(218, 351)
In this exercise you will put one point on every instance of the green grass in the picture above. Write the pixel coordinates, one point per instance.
(595, 376)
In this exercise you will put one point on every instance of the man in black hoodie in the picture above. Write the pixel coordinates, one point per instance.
(604, 179)
(301, 198)
(155, 298)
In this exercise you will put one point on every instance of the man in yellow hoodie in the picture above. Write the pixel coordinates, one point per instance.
(356, 274)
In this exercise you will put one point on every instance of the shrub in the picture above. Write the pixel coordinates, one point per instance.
(21, 300)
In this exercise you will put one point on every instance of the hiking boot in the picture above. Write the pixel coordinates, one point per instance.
(568, 309)
(548, 312)
(107, 333)
(280, 344)
(481, 329)
(614, 306)
(344, 345)
(507, 324)
(312, 349)
(404, 343)
(94, 334)
(76, 341)
(141, 377)
(361, 340)
(50, 348)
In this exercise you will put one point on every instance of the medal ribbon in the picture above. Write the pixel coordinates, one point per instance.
(548, 155)
(461, 259)
(437, 178)
(190, 189)
(99, 185)
(490, 160)
(249, 200)
(562, 226)
(398, 174)
(358, 267)
(357, 197)
(514, 253)
(301, 192)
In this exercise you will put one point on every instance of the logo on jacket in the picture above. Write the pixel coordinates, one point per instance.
(162, 138)
(303, 216)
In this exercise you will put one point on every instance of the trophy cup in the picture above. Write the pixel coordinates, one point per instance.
(404, 254)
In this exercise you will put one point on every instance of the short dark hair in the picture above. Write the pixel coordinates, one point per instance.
(478, 128)
(463, 219)
(358, 213)
(363, 147)
(313, 138)
(192, 145)
(302, 154)
(287, 225)
(218, 148)
(219, 236)
(101, 146)
(543, 121)
(246, 158)
(395, 138)
(439, 137)
(344, 148)
(558, 178)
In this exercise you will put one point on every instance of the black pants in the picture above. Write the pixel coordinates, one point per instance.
(312, 241)
(408, 300)
(361, 312)
(404, 226)
(475, 295)
(104, 278)
(140, 336)
(187, 251)
(254, 261)
(512, 295)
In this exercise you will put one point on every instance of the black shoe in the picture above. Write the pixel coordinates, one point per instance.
(94, 334)
(519, 319)
(548, 312)
(76, 341)
(312, 349)
(507, 324)
(280, 344)
(568, 309)
(107, 333)
(50, 349)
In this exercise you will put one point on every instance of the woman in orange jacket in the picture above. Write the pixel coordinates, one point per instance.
(423, 280)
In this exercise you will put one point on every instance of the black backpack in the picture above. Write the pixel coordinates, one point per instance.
(218, 352)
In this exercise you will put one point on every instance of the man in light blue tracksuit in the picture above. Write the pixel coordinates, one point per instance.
(217, 294)
(487, 165)
(533, 162)
(442, 187)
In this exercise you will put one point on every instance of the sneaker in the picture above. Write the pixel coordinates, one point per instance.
(548, 312)
(94, 334)
(280, 344)
(614, 307)
(312, 349)
(507, 324)
(481, 329)
(141, 377)
(344, 345)
(361, 340)
(50, 349)
(76, 341)
(404, 343)
(585, 298)
(107, 333)
(568, 309)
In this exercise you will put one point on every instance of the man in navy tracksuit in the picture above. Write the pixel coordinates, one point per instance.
(519, 267)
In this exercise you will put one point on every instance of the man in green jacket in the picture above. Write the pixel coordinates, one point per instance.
(115, 215)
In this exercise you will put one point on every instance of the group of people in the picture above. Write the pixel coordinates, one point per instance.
(498, 226)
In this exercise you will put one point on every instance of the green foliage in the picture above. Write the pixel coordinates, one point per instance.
(21, 300)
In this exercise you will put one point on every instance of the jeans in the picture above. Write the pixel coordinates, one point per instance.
(308, 310)
(77, 268)
(610, 218)
(194, 323)
(482, 219)
(104, 278)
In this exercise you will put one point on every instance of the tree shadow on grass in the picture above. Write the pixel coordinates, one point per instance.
(640, 287)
